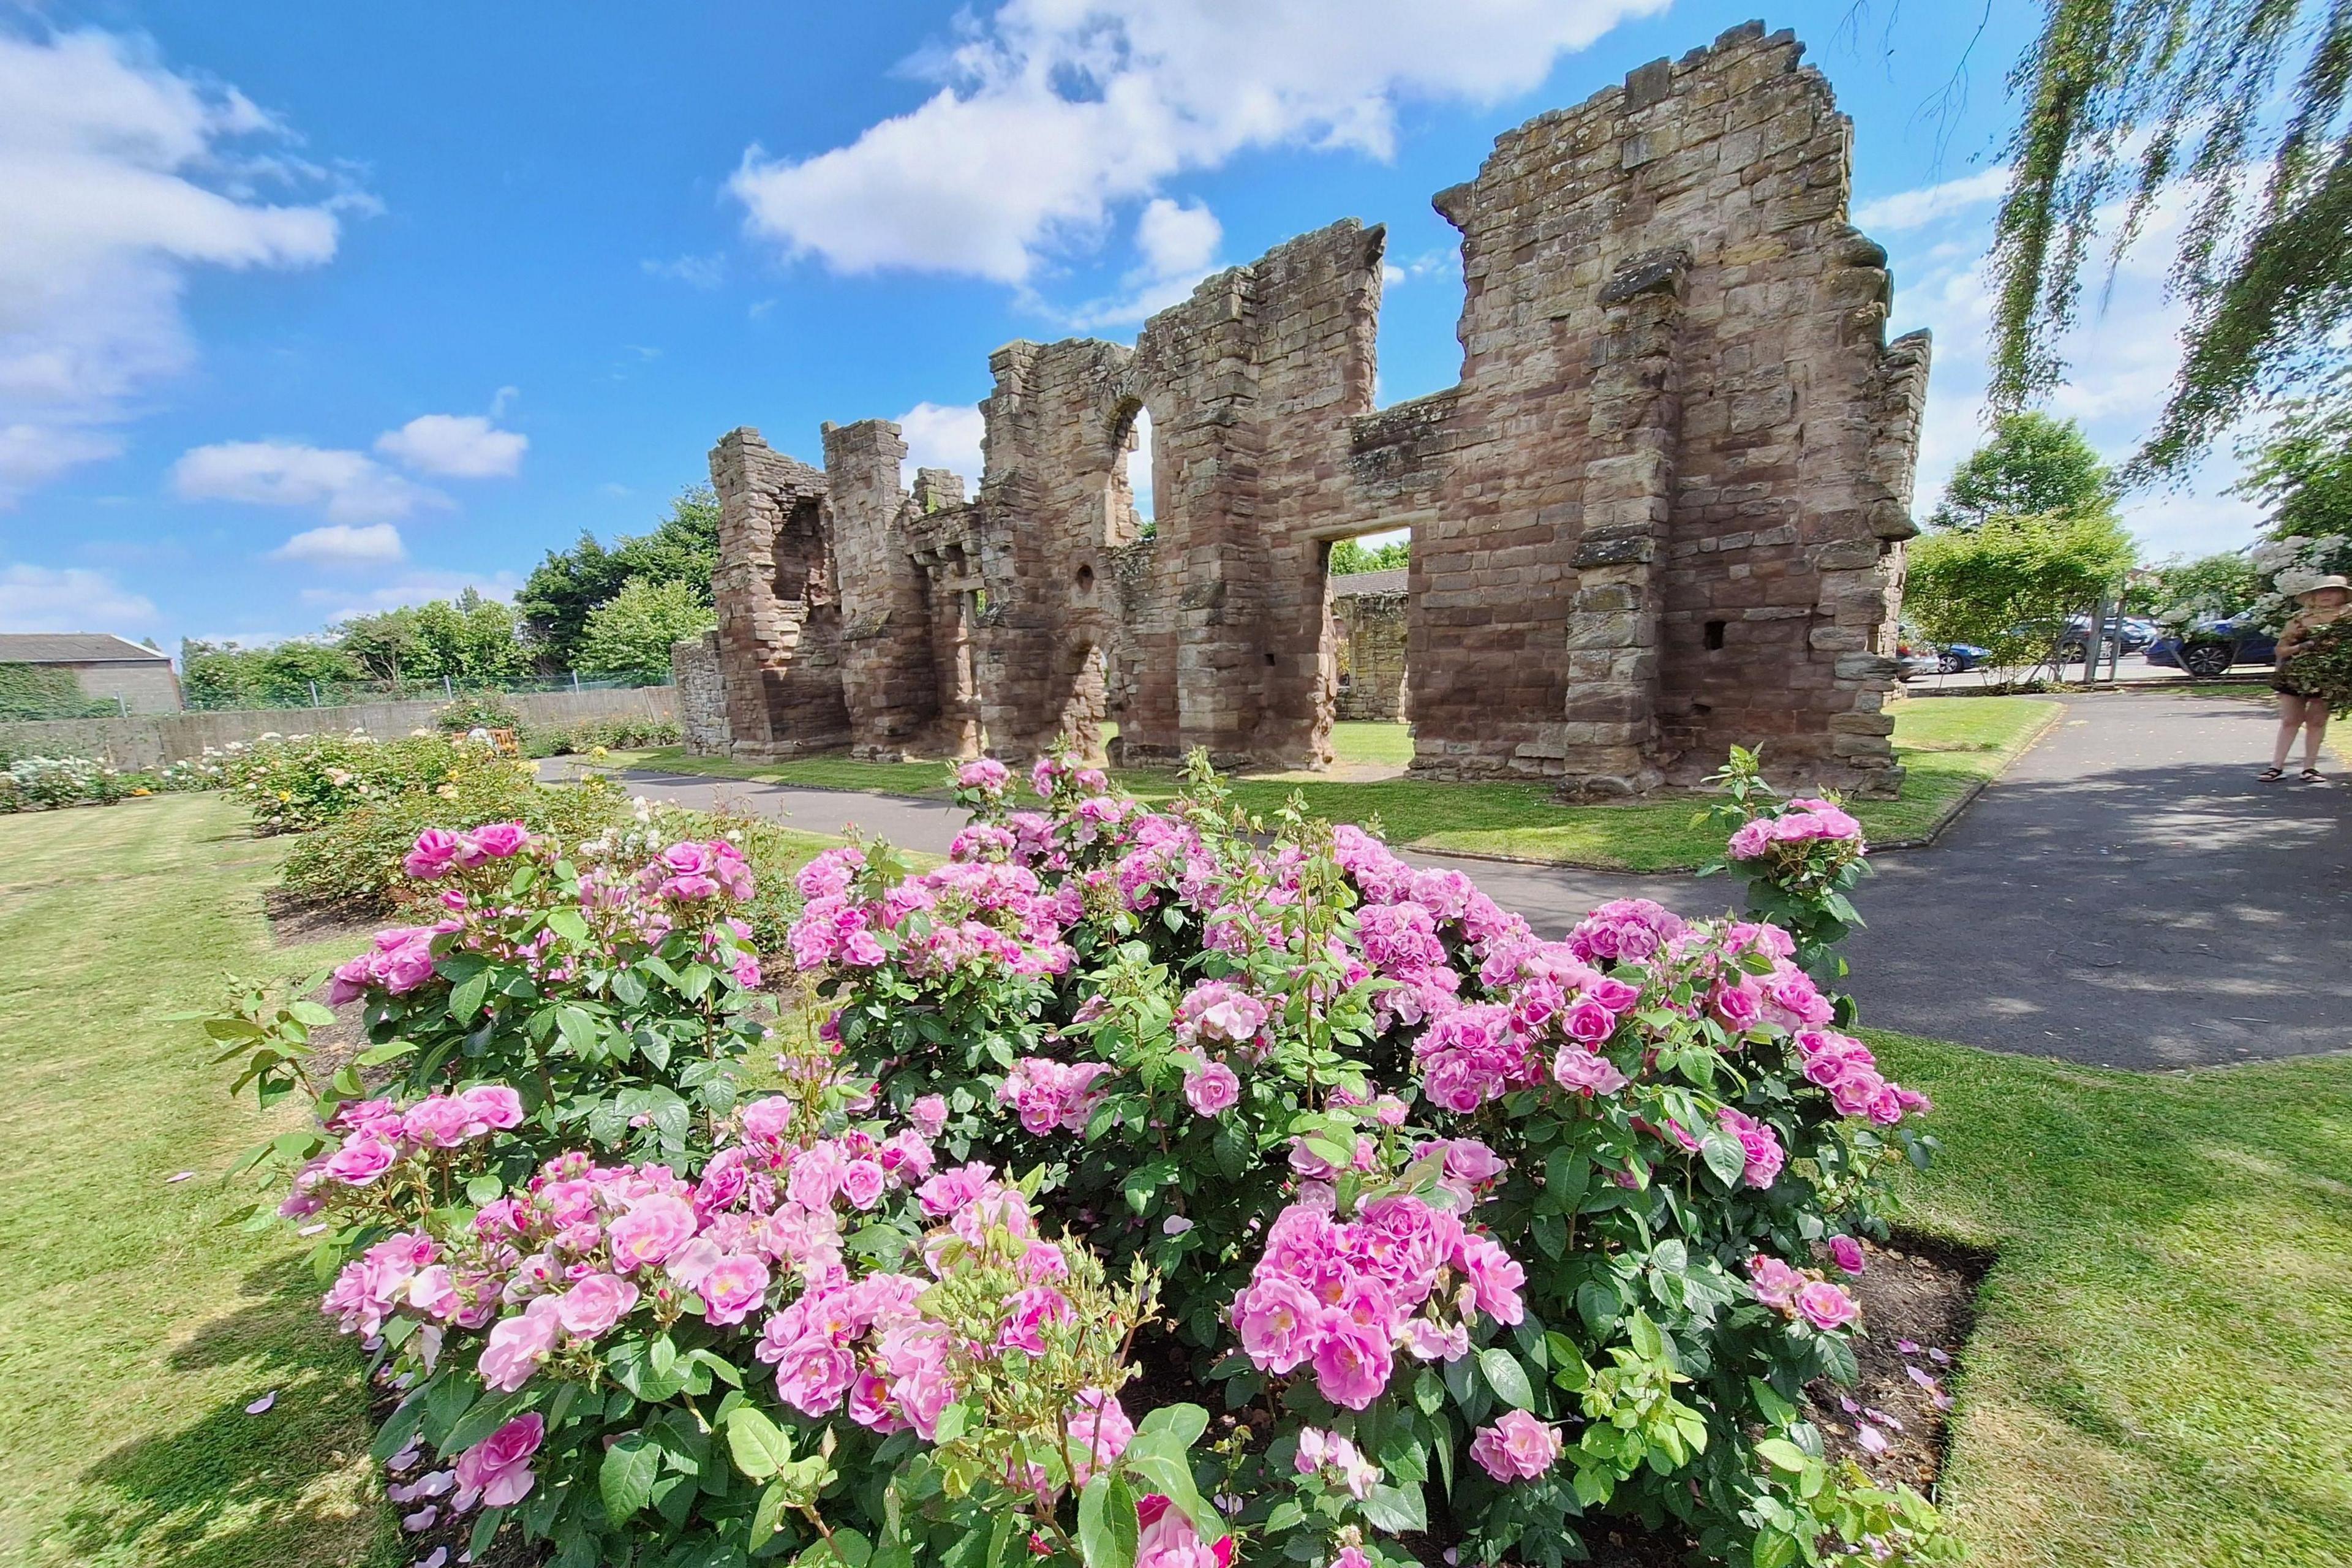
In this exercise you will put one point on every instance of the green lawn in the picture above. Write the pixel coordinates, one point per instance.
(2161, 1372)
(1948, 744)
(133, 1328)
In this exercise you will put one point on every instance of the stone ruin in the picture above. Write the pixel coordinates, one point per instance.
(1662, 513)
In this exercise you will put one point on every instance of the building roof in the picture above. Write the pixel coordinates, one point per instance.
(73, 647)
(1389, 581)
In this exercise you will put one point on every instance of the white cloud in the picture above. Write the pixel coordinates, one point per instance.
(1176, 239)
(349, 487)
(342, 544)
(502, 400)
(74, 599)
(1914, 209)
(117, 178)
(942, 436)
(2122, 359)
(1052, 113)
(455, 446)
(704, 272)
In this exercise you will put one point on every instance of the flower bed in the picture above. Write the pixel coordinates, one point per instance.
(1476, 1242)
(48, 784)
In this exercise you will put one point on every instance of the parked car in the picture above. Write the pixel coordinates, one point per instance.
(2212, 646)
(2131, 633)
(1953, 658)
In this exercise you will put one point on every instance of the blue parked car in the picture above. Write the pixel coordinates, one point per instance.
(1954, 657)
(2213, 647)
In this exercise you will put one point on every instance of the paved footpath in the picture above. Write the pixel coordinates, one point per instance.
(2126, 896)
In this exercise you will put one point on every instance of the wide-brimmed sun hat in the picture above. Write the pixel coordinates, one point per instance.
(2332, 580)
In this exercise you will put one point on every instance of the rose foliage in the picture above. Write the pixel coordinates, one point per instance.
(1476, 1240)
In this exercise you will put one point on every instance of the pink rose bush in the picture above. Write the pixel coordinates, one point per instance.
(1118, 1103)
(1390, 1151)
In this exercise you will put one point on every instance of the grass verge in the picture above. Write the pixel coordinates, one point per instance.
(135, 1329)
(1948, 746)
(2159, 1373)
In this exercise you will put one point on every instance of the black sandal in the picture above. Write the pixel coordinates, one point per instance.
(2270, 775)
(2312, 775)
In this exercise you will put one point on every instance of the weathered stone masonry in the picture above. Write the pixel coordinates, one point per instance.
(1661, 513)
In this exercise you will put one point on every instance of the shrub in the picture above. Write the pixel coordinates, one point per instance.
(475, 710)
(589, 735)
(37, 784)
(357, 858)
(297, 782)
(1481, 1241)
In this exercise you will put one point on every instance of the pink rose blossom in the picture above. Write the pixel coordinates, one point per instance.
(595, 1304)
(1846, 1253)
(1825, 1306)
(498, 1469)
(1517, 1447)
(1210, 1088)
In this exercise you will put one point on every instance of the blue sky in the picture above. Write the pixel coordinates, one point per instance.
(307, 309)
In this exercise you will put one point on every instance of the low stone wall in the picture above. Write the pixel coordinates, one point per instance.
(144, 743)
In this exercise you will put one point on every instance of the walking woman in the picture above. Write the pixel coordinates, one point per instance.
(2303, 705)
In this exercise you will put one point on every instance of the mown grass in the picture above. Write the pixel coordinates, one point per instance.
(133, 1327)
(2161, 1370)
(1947, 745)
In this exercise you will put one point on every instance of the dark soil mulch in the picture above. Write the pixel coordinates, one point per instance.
(295, 921)
(1919, 1303)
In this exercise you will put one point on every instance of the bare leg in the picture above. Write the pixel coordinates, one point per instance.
(2315, 728)
(2289, 721)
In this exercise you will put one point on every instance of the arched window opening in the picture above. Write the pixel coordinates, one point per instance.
(1126, 512)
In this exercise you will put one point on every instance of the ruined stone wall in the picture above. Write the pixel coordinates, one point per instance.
(1660, 514)
(1054, 507)
(1369, 628)
(779, 622)
(702, 695)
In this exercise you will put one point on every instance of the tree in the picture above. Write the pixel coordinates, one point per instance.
(2009, 583)
(630, 634)
(2128, 103)
(2219, 585)
(570, 584)
(1349, 556)
(225, 676)
(473, 640)
(2302, 470)
(2032, 464)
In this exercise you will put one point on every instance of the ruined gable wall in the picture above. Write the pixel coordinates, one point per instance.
(1250, 383)
(888, 679)
(779, 624)
(1055, 506)
(1800, 422)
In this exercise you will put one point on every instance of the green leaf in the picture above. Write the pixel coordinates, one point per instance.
(483, 1189)
(1185, 1423)
(1147, 1179)
(769, 1516)
(1781, 1454)
(1397, 1509)
(1107, 1528)
(465, 1000)
(567, 923)
(760, 1447)
(626, 1481)
(1775, 1548)
(1506, 1378)
(1724, 1156)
